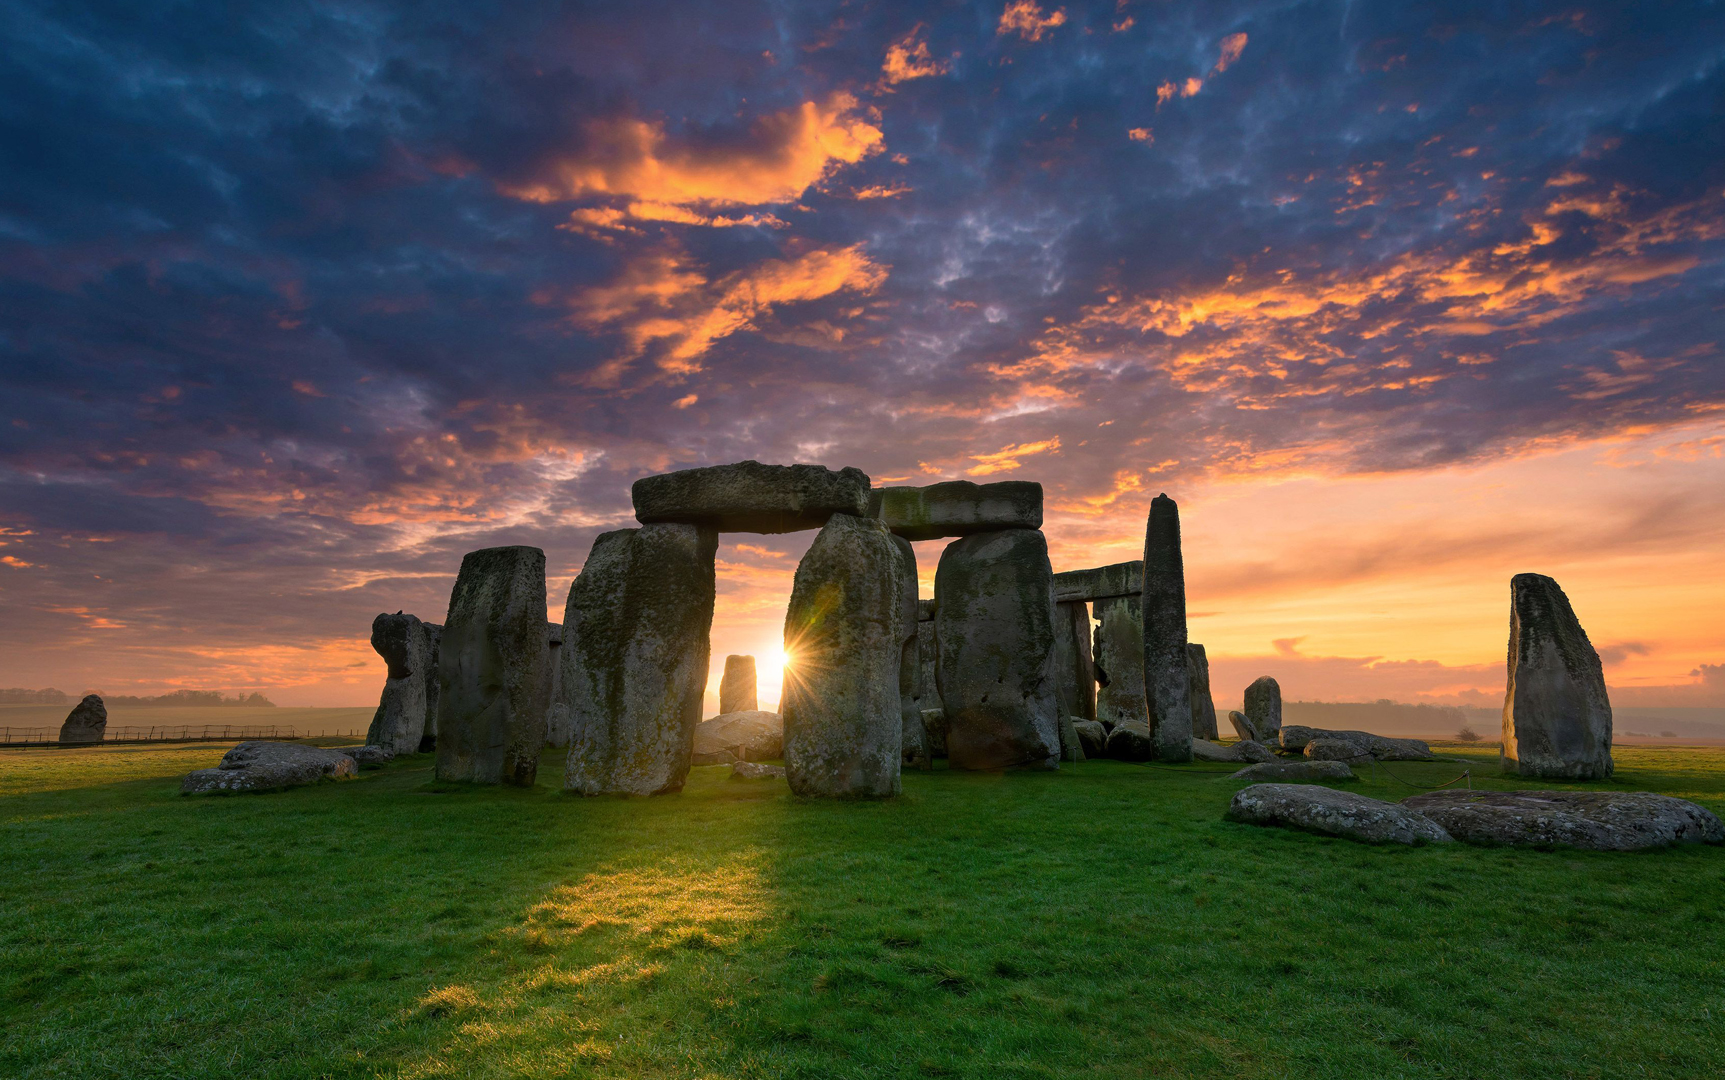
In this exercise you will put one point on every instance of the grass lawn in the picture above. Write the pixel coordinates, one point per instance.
(1101, 922)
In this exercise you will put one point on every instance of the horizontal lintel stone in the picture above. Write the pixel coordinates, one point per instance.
(751, 497)
(1100, 582)
(958, 508)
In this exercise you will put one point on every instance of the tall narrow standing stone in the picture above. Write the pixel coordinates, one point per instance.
(1167, 676)
(1074, 669)
(635, 659)
(1203, 706)
(913, 744)
(492, 669)
(1556, 715)
(845, 633)
(433, 688)
(738, 690)
(1264, 709)
(994, 628)
(1119, 662)
(402, 712)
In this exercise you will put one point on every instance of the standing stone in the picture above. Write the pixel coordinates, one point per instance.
(491, 669)
(927, 689)
(913, 744)
(1242, 726)
(635, 666)
(845, 628)
(557, 719)
(994, 628)
(402, 711)
(1203, 707)
(1074, 669)
(433, 644)
(737, 690)
(1167, 674)
(1119, 662)
(87, 722)
(1264, 710)
(1556, 716)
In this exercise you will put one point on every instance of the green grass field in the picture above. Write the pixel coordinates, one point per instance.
(1101, 922)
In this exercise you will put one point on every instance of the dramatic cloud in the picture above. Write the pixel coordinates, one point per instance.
(908, 58)
(1027, 19)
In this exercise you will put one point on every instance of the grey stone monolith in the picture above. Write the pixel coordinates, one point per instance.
(958, 508)
(845, 633)
(994, 631)
(1203, 706)
(913, 745)
(1556, 715)
(737, 689)
(409, 653)
(1119, 661)
(751, 497)
(1074, 667)
(434, 643)
(1264, 710)
(86, 723)
(635, 663)
(1167, 671)
(492, 678)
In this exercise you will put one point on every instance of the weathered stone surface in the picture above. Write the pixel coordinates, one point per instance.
(934, 731)
(560, 722)
(754, 735)
(1244, 751)
(368, 757)
(433, 685)
(1556, 715)
(1074, 667)
(1118, 661)
(751, 497)
(1333, 813)
(1071, 746)
(554, 688)
(635, 668)
(1167, 671)
(927, 686)
(1298, 737)
(267, 766)
(1597, 820)
(492, 675)
(1264, 709)
(1130, 741)
(957, 508)
(737, 689)
(913, 747)
(1093, 737)
(994, 628)
(1336, 750)
(1203, 707)
(1099, 582)
(845, 628)
(86, 723)
(754, 770)
(1241, 725)
(1296, 770)
(409, 652)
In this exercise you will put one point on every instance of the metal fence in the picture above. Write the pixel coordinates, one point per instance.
(50, 736)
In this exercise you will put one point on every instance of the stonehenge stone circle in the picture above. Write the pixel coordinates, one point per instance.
(1556, 716)
(1264, 710)
(86, 723)
(410, 654)
(1167, 675)
(994, 631)
(267, 766)
(845, 631)
(1119, 662)
(492, 669)
(912, 744)
(751, 497)
(635, 666)
(957, 508)
(1596, 820)
(737, 690)
(1203, 706)
(1074, 668)
(1100, 582)
(1334, 813)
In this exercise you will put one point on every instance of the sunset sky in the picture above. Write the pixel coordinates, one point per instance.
(299, 302)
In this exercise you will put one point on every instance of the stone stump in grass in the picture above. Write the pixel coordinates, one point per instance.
(1203, 706)
(492, 669)
(737, 689)
(635, 658)
(86, 723)
(1167, 672)
(1264, 710)
(409, 653)
(845, 636)
(1119, 662)
(1556, 715)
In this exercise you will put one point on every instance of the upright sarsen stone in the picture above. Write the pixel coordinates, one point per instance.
(492, 671)
(1556, 715)
(1119, 661)
(434, 645)
(845, 635)
(409, 654)
(1167, 676)
(914, 743)
(635, 658)
(86, 723)
(994, 631)
(1264, 709)
(1074, 668)
(1203, 705)
(737, 689)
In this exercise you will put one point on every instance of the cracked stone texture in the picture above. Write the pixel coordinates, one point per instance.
(751, 497)
(269, 766)
(1556, 715)
(1334, 813)
(1597, 820)
(1296, 770)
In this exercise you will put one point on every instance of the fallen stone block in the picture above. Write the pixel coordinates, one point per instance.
(754, 770)
(1093, 737)
(1272, 771)
(753, 735)
(1334, 813)
(1131, 741)
(751, 497)
(268, 766)
(368, 757)
(1296, 738)
(1595, 820)
(1245, 751)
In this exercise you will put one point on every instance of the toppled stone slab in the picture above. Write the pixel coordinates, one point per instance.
(754, 735)
(1167, 666)
(1595, 820)
(1334, 813)
(86, 723)
(1242, 726)
(1264, 709)
(409, 651)
(1245, 751)
(1336, 750)
(1099, 582)
(1556, 715)
(957, 508)
(268, 766)
(737, 690)
(368, 757)
(1093, 737)
(754, 770)
(1297, 737)
(1203, 706)
(751, 497)
(1131, 741)
(1273, 771)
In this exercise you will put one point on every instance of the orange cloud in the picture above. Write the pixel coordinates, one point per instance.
(1232, 46)
(1006, 458)
(1026, 17)
(1143, 135)
(908, 58)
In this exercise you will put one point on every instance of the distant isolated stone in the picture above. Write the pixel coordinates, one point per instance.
(1597, 820)
(1203, 707)
(268, 766)
(1118, 662)
(756, 735)
(409, 652)
(751, 497)
(737, 690)
(994, 627)
(957, 508)
(1241, 725)
(86, 723)
(1296, 770)
(635, 666)
(492, 669)
(1167, 670)
(845, 633)
(1333, 813)
(1074, 667)
(1264, 709)
(1099, 582)
(1298, 737)
(1556, 715)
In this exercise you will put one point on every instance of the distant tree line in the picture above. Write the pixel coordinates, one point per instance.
(180, 698)
(19, 696)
